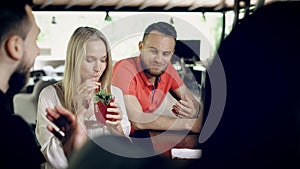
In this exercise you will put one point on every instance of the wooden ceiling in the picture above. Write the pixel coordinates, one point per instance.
(143, 5)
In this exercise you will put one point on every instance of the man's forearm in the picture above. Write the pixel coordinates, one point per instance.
(158, 122)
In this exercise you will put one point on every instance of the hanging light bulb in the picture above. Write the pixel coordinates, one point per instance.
(203, 17)
(171, 20)
(53, 20)
(107, 17)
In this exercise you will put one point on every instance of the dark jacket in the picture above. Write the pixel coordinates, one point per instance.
(19, 148)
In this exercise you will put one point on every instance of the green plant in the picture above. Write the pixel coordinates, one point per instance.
(103, 97)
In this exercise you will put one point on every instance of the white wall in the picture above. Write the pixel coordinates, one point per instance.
(124, 32)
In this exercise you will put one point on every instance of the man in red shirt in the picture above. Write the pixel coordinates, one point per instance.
(147, 79)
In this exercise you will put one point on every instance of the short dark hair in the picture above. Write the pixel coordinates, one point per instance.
(14, 19)
(163, 28)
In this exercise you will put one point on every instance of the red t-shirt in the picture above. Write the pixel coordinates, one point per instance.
(129, 76)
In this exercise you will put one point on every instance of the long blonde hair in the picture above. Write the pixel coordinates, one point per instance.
(76, 53)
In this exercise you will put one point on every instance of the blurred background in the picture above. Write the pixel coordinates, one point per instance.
(201, 27)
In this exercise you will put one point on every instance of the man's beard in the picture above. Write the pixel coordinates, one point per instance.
(16, 82)
(150, 72)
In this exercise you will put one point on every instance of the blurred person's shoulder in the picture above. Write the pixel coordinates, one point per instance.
(117, 152)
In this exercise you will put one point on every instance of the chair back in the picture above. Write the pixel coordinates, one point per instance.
(25, 104)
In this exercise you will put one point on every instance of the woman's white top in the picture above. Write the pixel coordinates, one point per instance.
(51, 146)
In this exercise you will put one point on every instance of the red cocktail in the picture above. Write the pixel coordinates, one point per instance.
(102, 101)
(101, 111)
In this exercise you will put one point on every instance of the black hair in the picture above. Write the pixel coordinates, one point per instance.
(14, 19)
(163, 28)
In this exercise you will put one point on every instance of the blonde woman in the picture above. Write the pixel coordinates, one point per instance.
(88, 68)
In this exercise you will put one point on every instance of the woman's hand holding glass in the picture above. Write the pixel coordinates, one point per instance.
(114, 117)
